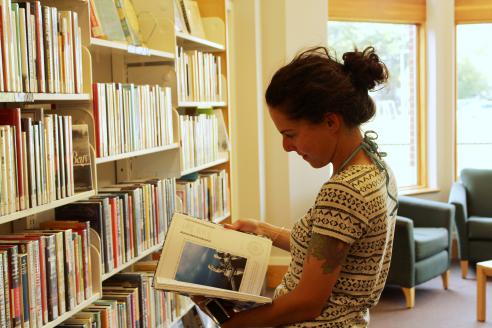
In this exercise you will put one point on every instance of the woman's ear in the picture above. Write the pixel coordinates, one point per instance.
(333, 120)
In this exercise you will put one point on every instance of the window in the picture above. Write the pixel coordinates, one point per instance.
(474, 96)
(396, 120)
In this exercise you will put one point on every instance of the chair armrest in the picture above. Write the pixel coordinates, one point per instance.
(427, 213)
(457, 197)
(402, 268)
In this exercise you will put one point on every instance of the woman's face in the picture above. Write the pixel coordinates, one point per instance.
(314, 142)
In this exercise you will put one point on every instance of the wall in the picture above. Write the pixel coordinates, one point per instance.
(272, 185)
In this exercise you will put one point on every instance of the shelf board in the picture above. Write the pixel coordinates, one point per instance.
(130, 49)
(205, 166)
(189, 41)
(202, 104)
(29, 97)
(176, 321)
(45, 207)
(78, 308)
(149, 251)
(113, 158)
(222, 218)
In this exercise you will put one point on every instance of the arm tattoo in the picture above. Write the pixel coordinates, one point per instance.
(331, 250)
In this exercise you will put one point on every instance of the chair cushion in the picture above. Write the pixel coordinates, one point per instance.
(479, 227)
(429, 241)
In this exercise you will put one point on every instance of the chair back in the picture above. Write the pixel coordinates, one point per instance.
(478, 185)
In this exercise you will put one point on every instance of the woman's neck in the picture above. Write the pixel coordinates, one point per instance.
(348, 143)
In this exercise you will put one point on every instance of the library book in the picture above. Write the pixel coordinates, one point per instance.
(206, 259)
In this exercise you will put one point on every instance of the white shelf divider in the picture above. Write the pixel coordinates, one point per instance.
(149, 251)
(205, 166)
(113, 158)
(189, 41)
(183, 313)
(222, 218)
(28, 97)
(202, 104)
(45, 207)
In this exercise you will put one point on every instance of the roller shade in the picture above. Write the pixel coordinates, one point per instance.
(473, 11)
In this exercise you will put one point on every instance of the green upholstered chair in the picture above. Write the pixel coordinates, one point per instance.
(472, 196)
(421, 245)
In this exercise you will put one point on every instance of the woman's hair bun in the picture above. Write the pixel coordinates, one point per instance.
(365, 68)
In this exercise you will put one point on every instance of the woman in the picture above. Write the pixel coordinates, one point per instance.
(341, 248)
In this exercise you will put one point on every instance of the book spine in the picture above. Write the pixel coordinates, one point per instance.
(39, 47)
(24, 287)
(56, 57)
(69, 271)
(60, 271)
(4, 297)
(24, 50)
(48, 47)
(51, 277)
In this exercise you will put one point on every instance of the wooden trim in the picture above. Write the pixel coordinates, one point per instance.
(473, 11)
(389, 11)
(422, 174)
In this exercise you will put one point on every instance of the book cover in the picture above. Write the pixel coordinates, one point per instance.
(81, 158)
(212, 261)
(109, 20)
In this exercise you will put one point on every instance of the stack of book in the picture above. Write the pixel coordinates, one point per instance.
(130, 300)
(36, 159)
(130, 218)
(44, 273)
(206, 197)
(41, 49)
(199, 76)
(199, 139)
(130, 118)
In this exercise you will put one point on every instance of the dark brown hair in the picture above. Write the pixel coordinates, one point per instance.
(315, 83)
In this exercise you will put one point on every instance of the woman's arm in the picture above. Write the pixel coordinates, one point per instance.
(321, 270)
(280, 236)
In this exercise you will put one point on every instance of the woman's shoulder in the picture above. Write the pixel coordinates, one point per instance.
(355, 180)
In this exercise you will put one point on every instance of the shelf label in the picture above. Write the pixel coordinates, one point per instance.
(142, 51)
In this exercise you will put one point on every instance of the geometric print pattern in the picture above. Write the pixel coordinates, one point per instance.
(353, 206)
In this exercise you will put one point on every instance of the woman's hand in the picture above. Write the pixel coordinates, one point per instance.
(247, 225)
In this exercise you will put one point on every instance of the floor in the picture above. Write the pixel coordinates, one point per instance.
(434, 306)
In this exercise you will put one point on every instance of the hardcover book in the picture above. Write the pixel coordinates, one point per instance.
(81, 158)
(202, 258)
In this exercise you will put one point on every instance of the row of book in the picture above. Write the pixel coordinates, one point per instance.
(115, 20)
(130, 300)
(199, 76)
(41, 49)
(36, 158)
(199, 139)
(44, 273)
(205, 197)
(131, 117)
(130, 218)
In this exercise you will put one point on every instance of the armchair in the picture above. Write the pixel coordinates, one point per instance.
(421, 245)
(472, 198)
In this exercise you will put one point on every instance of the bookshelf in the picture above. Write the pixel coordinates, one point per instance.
(128, 264)
(102, 61)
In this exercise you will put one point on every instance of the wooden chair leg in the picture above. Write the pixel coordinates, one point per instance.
(445, 279)
(481, 293)
(409, 296)
(464, 268)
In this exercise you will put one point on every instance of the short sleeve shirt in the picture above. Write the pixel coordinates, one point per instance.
(354, 207)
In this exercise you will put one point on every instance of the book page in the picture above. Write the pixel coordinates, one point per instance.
(206, 254)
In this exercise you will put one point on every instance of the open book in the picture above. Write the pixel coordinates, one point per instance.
(203, 258)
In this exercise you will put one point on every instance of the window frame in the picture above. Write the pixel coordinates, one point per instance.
(465, 12)
(398, 12)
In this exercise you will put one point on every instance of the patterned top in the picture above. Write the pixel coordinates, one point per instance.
(353, 206)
